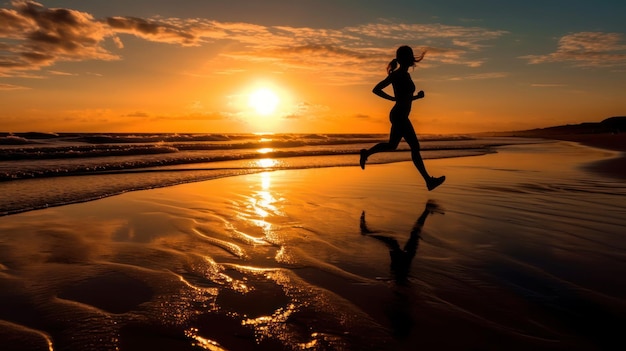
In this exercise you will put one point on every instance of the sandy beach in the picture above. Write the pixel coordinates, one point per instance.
(521, 249)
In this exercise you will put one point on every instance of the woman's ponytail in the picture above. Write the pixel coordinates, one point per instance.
(392, 66)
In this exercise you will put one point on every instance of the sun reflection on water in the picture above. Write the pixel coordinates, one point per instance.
(265, 150)
(266, 163)
(271, 326)
(264, 205)
(266, 181)
(201, 342)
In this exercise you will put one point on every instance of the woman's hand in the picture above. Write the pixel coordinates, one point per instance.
(419, 95)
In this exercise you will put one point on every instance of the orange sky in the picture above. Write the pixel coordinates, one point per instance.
(71, 66)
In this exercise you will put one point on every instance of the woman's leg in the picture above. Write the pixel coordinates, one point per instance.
(395, 135)
(411, 138)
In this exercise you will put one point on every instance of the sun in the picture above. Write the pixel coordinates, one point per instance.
(264, 101)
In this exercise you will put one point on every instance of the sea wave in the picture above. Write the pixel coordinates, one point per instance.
(14, 140)
(35, 155)
(99, 161)
(56, 169)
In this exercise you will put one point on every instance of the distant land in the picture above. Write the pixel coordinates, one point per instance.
(608, 134)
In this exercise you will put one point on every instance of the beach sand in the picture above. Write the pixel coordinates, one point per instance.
(520, 249)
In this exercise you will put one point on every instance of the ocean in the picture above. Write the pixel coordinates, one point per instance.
(39, 170)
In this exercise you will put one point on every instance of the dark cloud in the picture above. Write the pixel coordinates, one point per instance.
(41, 36)
(153, 30)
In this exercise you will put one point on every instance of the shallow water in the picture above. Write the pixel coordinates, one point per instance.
(517, 250)
(43, 170)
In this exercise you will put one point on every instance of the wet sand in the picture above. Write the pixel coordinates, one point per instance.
(613, 167)
(521, 249)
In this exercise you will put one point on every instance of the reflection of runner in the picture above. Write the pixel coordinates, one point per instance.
(401, 257)
(401, 127)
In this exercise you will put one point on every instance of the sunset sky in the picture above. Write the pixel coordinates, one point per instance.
(297, 66)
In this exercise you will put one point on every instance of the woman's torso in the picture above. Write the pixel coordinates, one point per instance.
(403, 89)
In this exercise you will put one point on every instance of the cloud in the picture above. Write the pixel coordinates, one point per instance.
(305, 109)
(39, 37)
(33, 36)
(139, 114)
(61, 73)
(11, 87)
(366, 44)
(586, 49)
(547, 85)
(353, 54)
(194, 116)
(477, 76)
(152, 30)
(469, 37)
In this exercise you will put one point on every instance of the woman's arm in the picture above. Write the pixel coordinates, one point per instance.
(378, 89)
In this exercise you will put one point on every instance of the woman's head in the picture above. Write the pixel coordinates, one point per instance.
(404, 57)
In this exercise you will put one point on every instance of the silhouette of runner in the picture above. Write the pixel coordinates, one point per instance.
(401, 258)
(403, 88)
